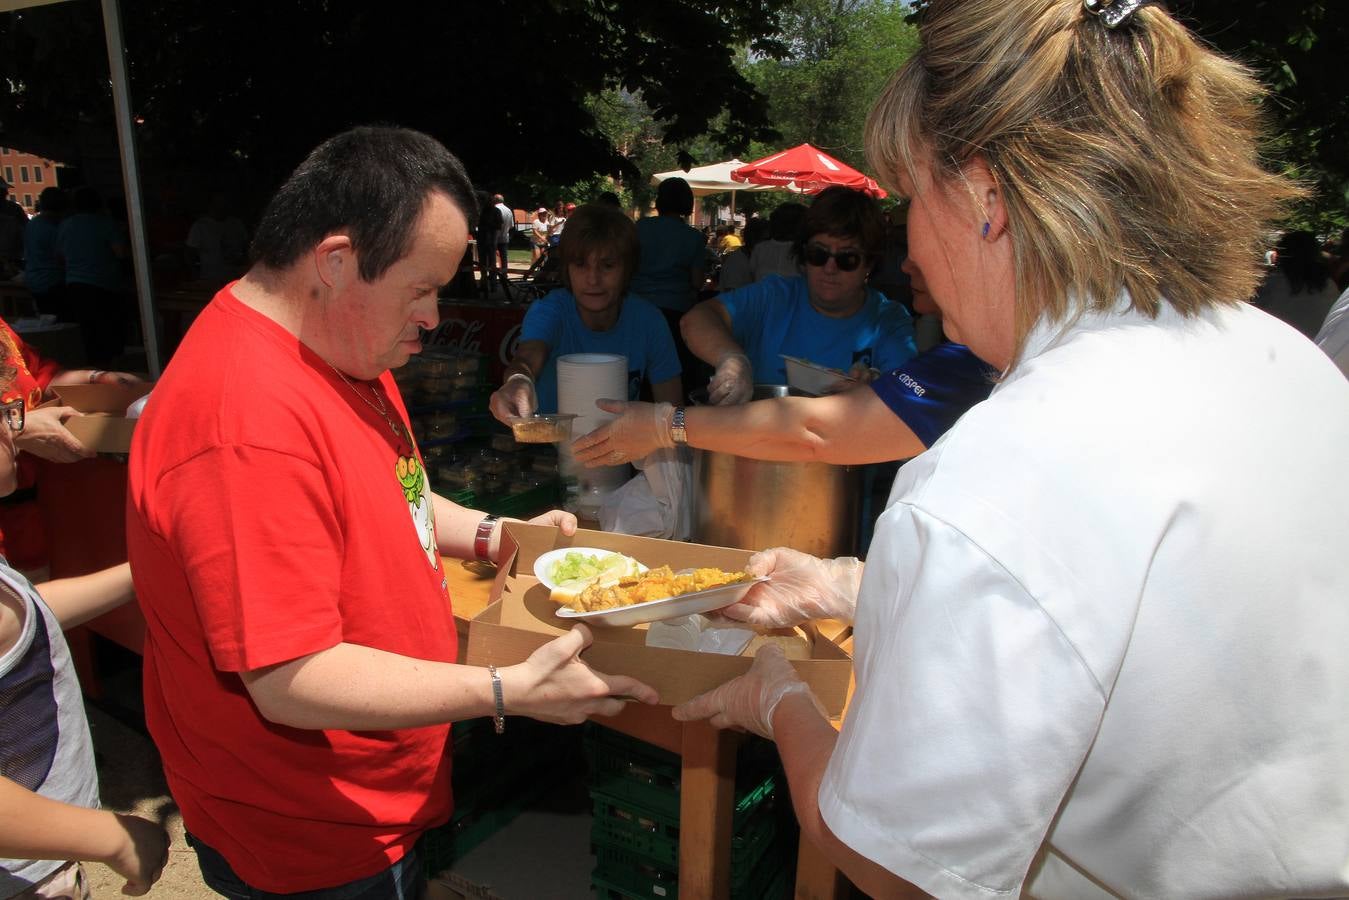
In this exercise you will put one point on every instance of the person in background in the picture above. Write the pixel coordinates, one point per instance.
(92, 249)
(593, 312)
(728, 240)
(609, 198)
(672, 267)
(485, 234)
(538, 233)
(1084, 668)
(23, 533)
(219, 243)
(557, 221)
(288, 550)
(503, 242)
(43, 274)
(13, 223)
(48, 784)
(828, 316)
(735, 269)
(1299, 290)
(774, 256)
(895, 417)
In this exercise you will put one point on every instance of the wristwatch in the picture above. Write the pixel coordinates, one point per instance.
(678, 433)
(482, 540)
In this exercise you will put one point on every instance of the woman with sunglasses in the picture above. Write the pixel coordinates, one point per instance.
(828, 315)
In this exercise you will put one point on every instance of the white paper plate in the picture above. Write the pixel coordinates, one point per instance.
(667, 608)
(812, 378)
(547, 559)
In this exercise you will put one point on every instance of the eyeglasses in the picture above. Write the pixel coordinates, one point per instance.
(13, 410)
(846, 260)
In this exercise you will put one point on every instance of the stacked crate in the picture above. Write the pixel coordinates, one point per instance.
(470, 457)
(634, 790)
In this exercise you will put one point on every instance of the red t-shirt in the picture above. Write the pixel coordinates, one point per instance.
(23, 536)
(271, 514)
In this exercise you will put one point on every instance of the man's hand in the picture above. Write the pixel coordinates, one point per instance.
(639, 429)
(733, 382)
(515, 398)
(141, 857)
(554, 685)
(45, 435)
(748, 702)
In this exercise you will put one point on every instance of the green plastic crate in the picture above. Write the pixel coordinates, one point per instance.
(622, 825)
(631, 875)
(649, 776)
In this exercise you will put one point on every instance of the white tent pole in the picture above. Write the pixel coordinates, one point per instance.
(126, 139)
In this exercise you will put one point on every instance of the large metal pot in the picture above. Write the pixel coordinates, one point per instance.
(753, 504)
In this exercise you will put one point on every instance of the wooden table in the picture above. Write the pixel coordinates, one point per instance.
(707, 773)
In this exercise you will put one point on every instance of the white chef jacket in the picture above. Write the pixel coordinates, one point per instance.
(1103, 635)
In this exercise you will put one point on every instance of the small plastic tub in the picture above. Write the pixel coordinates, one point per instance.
(542, 429)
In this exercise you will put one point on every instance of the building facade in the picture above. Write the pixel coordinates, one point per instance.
(27, 176)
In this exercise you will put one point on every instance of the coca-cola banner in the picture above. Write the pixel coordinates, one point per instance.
(479, 327)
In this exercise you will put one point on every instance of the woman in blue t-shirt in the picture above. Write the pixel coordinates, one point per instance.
(828, 315)
(592, 313)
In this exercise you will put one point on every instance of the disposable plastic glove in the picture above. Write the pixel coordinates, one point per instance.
(749, 701)
(514, 398)
(733, 382)
(800, 587)
(639, 429)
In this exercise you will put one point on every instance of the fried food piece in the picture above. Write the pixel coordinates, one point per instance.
(655, 584)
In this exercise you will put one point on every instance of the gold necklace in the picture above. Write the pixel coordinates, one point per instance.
(398, 434)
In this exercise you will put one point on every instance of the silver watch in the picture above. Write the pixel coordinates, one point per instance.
(677, 431)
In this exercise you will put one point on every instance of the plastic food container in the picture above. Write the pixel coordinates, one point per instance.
(542, 429)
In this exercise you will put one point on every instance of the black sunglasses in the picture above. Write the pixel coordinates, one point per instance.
(846, 260)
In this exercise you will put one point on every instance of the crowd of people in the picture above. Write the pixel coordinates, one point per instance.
(1099, 630)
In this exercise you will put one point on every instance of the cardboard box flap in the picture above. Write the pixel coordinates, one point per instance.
(101, 398)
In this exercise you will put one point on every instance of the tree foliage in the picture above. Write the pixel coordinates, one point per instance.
(503, 83)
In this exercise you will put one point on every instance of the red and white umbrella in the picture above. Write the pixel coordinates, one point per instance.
(806, 170)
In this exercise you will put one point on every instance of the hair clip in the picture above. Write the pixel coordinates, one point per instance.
(1114, 13)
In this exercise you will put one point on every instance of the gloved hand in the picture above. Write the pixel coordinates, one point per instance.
(801, 587)
(733, 382)
(861, 373)
(515, 397)
(639, 429)
(749, 701)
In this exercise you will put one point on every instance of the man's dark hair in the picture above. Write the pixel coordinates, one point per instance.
(844, 213)
(783, 221)
(371, 182)
(599, 228)
(674, 197)
(53, 201)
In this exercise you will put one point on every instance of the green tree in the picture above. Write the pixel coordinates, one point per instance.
(840, 53)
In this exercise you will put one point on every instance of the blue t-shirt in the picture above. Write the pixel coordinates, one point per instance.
(671, 250)
(773, 317)
(640, 334)
(41, 266)
(932, 390)
(86, 241)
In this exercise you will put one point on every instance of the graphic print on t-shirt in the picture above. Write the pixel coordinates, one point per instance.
(417, 492)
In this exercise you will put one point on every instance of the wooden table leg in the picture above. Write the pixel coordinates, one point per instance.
(706, 802)
(816, 877)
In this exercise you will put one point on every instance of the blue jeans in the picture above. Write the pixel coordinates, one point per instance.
(404, 880)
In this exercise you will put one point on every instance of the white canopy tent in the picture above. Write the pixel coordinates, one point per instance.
(714, 178)
(121, 98)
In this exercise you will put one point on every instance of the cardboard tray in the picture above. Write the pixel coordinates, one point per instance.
(104, 427)
(521, 618)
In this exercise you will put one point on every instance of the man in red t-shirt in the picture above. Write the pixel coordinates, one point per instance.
(286, 546)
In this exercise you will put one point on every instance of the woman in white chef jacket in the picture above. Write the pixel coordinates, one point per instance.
(1100, 634)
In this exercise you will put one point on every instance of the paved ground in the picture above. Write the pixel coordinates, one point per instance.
(132, 781)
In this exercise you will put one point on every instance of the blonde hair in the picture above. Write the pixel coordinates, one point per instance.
(1125, 159)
